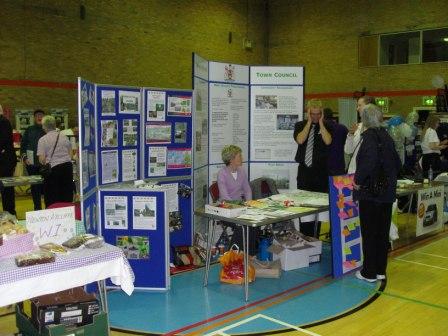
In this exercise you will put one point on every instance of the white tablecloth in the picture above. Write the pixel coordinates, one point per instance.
(75, 269)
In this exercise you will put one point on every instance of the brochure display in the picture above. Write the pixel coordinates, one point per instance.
(136, 220)
(345, 226)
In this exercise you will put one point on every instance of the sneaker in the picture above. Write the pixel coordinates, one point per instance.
(380, 277)
(360, 277)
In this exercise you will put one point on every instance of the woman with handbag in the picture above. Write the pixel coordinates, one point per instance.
(54, 151)
(375, 183)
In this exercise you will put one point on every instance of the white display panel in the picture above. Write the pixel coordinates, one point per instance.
(229, 119)
(276, 75)
(200, 67)
(230, 73)
(274, 112)
(284, 174)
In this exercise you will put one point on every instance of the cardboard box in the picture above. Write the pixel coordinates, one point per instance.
(292, 258)
(73, 307)
(267, 269)
(234, 211)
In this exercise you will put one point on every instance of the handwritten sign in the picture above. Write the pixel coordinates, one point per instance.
(52, 225)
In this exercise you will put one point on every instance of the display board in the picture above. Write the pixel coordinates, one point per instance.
(167, 130)
(61, 117)
(24, 119)
(87, 154)
(345, 226)
(118, 127)
(136, 220)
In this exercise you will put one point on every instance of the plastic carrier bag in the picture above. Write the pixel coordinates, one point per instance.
(232, 271)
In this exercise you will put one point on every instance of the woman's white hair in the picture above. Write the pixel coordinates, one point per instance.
(48, 123)
(371, 116)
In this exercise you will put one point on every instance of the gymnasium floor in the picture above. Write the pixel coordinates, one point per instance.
(413, 301)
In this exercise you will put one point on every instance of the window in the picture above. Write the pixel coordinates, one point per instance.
(400, 48)
(435, 45)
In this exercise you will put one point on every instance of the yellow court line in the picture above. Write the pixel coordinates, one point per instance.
(422, 264)
(432, 255)
(260, 307)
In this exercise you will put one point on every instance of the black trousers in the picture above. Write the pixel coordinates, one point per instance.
(58, 187)
(8, 196)
(311, 179)
(36, 189)
(375, 224)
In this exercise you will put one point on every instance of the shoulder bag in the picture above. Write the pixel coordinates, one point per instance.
(45, 169)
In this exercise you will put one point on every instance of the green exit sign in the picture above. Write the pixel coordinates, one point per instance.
(383, 103)
(428, 100)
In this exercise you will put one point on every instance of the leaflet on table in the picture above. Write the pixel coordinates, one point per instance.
(179, 158)
(158, 133)
(109, 166)
(129, 102)
(30, 156)
(116, 212)
(107, 103)
(144, 213)
(157, 161)
(229, 118)
(109, 133)
(130, 132)
(179, 106)
(155, 105)
(274, 112)
(129, 164)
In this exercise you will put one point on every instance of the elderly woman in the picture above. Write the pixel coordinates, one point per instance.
(232, 179)
(55, 148)
(431, 145)
(376, 154)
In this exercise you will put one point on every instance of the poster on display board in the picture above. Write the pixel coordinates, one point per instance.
(345, 226)
(284, 174)
(430, 215)
(24, 119)
(200, 136)
(119, 133)
(61, 117)
(276, 104)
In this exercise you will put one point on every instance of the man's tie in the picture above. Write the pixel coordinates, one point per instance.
(309, 147)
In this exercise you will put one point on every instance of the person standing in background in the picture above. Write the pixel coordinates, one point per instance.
(28, 152)
(353, 139)
(313, 137)
(431, 146)
(336, 162)
(8, 162)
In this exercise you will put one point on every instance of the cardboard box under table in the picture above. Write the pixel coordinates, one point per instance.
(292, 258)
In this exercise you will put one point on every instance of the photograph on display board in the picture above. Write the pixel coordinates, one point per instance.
(85, 169)
(286, 122)
(180, 132)
(109, 166)
(24, 119)
(109, 133)
(134, 247)
(144, 213)
(266, 101)
(198, 141)
(107, 103)
(86, 118)
(94, 216)
(179, 106)
(129, 102)
(88, 219)
(159, 133)
(116, 212)
(156, 106)
(179, 158)
(129, 164)
(157, 161)
(130, 134)
(92, 164)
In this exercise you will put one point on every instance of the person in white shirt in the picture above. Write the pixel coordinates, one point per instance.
(353, 140)
(431, 146)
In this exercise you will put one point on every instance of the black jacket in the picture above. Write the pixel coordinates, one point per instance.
(366, 163)
(30, 140)
(8, 159)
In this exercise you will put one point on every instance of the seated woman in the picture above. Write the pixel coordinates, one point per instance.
(54, 148)
(431, 146)
(232, 179)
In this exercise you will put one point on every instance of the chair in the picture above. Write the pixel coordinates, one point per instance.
(214, 191)
(77, 206)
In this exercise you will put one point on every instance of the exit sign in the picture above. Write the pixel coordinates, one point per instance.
(383, 103)
(428, 100)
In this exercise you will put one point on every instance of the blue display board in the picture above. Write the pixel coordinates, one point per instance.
(119, 138)
(136, 221)
(167, 129)
(90, 213)
(345, 227)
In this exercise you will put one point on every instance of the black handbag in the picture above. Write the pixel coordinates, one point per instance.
(45, 169)
(378, 183)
